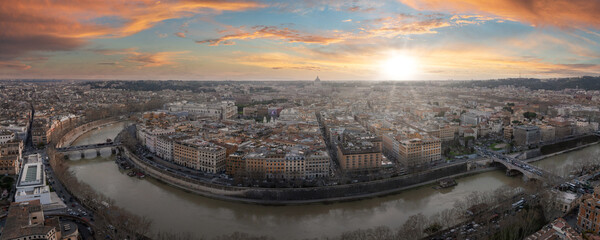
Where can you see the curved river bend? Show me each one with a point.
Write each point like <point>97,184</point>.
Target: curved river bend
<point>175,210</point>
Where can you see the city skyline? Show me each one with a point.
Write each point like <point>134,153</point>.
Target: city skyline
<point>271,40</point>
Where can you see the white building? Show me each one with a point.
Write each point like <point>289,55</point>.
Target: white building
<point>149,137</point>
<point>6,136</point>
<point>218,110</point>
<point>164,148</point>
<point>317,164</point>
<point>20,131</point>
<point>31,184</point>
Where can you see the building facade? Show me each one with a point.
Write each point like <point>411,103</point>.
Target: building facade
<point>359,155</point>
<point>527,135</point>
<point>412,152</point>
<point>200,155</point>
<point>11,157</point>
<point>318,165</point>
<point>217,110</point>
<point>588,217</point>
<point>26,220</point>
<point>6,136</point>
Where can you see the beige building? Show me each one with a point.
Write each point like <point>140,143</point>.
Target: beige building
<point>10,157</point>
<point>443,132</point>
<point>508,132</point>
<point>414,151</point>
<point>548,133</point>
<point>419,151</point>
<point>291,165</point>
<point>447,132</point>
<point>200,155</point>
<point>359,155</point>
<point>26,221</point>
<point>40,135</point>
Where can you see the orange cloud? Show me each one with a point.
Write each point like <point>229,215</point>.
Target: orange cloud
<point>453,61</point>
<point>390,27</point>
<point>14,65</point>
<point>153,59</point>
<point>403,25</point>
<point>143,59</point>
<point>180,34</point>
<point>270,32</point>
<point>559,13</point>
<point>38,25</point>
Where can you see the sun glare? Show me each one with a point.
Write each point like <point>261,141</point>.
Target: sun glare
<point>399,67</point>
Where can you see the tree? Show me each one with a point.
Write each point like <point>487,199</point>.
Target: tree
<point>413,227</point>
<point>530,115</point>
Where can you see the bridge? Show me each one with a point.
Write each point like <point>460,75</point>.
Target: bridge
<point>515,166</point>
<point>86,147</point>
<point>86,150</point>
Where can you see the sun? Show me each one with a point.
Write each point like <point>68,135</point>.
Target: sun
<point>399,66</point>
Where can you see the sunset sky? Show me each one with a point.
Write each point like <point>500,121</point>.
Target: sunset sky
<point>298,40</point>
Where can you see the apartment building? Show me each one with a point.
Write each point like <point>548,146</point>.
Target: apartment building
<point>359,154</point>
<point>164,147</point>
<point>413,150</point>
<point>200,155</point>
<point>26,220</point>
<point>588,217</point>
<point>527,135</point>
<point>10,157</point>
<point>6,136</point>
<point>217,110</point>
<point>317,164</point>
<point>279,164</point>
<point>419,151</point>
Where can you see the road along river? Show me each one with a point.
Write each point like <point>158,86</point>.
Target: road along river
<point>175,210</point>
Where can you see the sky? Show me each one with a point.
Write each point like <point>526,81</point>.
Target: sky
<point>298,40</point>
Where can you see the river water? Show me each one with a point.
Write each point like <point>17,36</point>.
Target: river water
<point>178,211</point>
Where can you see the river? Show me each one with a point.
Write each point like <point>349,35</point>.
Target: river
<point>175,210</point>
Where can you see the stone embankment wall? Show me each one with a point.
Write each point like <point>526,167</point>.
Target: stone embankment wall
<point>74,133</point>
<point>285,196</point>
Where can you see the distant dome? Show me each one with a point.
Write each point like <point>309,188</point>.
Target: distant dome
<point>317,79</point>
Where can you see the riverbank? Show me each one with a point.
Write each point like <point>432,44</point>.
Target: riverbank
<point>303,196</point>
<point>72,135</point>
<point>327,194</point>
<point>535,159</point>
<point>174,209</point>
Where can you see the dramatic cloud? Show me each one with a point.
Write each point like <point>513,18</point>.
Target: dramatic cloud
<point>37,25</point>
<point>142,59</point>
<point>559,13</point>
<point>452,61</point>
<point>403,25</point>
<point>270,32</point>
<point>306,6</point>
<point>161,35</point>
<point>14,65</point>
<point>389,27</point>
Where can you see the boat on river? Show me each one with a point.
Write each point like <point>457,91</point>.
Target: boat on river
<point>446,183</point>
